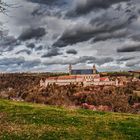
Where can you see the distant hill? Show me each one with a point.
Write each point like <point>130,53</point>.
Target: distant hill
<point>25,121</point>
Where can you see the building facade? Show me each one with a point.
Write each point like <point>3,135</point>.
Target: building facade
<point>86,77</point>
<point>82,71</point>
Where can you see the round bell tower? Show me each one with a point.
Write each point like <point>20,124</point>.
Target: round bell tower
<point>70,69</point>
<point>94,69</point>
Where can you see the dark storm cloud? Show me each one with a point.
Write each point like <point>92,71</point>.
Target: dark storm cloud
<point>1,31</point>
<point>75,35</point>
<point>84,59</point>
<point>31,63</point>
<point>31,33</point>
<point>18,62</point>
<point>48,2</point>
<point>108,22</point>
<point>135,37</point>
<point>6,48</point>
<point>125,58</point>
<point>31,45</point>
<point>12,61</point>
<point>8,43</point>
<point>39,48</point>
<point>81,60</point>
<point>131,48</point>
<point>43,1</point>
<point>108,25</point>
<point>69,39</point>
<point>38,12</point>
<point>132,63</point>
<point>101,61</point>
<point>46,7</point>
<point>86,6</point>
<point>24,51</point>
<point>71,51</point>
<point>111,35</point>
<point>8,40</point>
<point>132,18</point>
<point>100,28</point>
<point>52,52</point>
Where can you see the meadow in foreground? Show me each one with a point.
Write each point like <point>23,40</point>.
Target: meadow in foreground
<point>25,121</point>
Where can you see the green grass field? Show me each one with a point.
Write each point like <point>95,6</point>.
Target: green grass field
<point>25,121</point>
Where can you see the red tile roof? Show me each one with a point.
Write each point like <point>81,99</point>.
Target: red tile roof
<point>96,76</point>
<point>75,77</point>
<point>65,77</point>
<point>104,79</point>
<point>52,78</point>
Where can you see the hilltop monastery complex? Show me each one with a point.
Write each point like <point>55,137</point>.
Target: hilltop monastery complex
<point>86,77</point>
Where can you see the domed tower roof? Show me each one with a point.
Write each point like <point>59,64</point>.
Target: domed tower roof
<point>70,69</point>
<point>94,69</point>
<point>94,66</point>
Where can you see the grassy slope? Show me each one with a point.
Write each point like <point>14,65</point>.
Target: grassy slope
<point>30,121</point>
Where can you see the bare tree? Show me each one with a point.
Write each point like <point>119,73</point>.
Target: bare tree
<point>2,7</point>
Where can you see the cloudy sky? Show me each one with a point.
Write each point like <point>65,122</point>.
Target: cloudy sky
<point>47,35</point>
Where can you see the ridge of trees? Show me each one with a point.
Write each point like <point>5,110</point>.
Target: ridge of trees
<point>27,88</point>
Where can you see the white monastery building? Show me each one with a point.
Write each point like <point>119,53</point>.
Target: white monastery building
<point>86,77</point>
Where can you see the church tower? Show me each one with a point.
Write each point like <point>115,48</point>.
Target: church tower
<point>70,69</point>
<point>94,69</point>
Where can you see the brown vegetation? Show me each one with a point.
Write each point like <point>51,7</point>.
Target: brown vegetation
<point>26,87</point>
